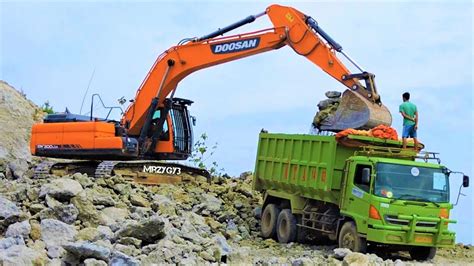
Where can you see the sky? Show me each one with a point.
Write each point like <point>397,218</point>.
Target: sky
<point>50,50</point>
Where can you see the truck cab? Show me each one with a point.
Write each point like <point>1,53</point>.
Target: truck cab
<point>407,204</point>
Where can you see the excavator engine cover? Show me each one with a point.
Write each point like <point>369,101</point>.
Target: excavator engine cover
<point>356,112</point>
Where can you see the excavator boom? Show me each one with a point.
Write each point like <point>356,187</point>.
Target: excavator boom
<point>360,108</point>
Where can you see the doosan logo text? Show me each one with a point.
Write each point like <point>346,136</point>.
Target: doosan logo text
<point>235,46</point>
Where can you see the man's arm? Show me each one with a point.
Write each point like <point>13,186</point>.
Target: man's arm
<point>408,117</point>
<point>416,120</point>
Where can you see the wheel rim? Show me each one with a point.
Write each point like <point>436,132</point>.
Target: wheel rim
<point>348,241</point>
<point>267,219</point>
<point>283,227</point>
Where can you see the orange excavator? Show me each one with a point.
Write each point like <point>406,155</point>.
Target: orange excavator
<point>157,125</point>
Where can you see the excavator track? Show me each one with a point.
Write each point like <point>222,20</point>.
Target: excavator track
<point>143,172</point>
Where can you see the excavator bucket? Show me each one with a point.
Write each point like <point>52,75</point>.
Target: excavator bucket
<point>355,111</point>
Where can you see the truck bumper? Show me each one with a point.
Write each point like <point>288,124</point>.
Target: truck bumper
<point>412,235</point>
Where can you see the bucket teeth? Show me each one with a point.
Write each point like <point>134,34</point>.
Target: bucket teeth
<point>356,112</point>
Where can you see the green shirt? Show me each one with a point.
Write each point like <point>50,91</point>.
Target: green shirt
<point>409,109</point>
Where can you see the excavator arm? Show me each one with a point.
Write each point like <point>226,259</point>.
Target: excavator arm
<point>360,106</point>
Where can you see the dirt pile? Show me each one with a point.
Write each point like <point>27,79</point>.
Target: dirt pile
<point>17,115</point>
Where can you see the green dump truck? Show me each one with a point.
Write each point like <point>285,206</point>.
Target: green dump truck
<point>358,191</point>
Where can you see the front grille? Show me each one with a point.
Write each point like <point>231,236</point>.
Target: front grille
<point>392,219</point>
<point>426,224</point>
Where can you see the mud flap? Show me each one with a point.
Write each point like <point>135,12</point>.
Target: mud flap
<point>356,112</point>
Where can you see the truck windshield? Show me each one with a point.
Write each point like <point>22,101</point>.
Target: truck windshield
<point>411,183</point>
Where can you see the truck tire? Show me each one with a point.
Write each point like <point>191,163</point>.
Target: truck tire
<point>286,227</point>
<point>269,221</point>
<point>422,253</point>
<point>349,238</point>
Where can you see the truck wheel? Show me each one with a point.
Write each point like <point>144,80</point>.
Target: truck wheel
<point>269,221</point>
<point>422,253</point>
<point>286,226</point>
<point>348,238</point>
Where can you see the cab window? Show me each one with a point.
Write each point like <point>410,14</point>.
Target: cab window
<point>165,133</point>
<point>358,178</point>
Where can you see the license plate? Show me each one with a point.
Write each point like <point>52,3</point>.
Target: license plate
<point>423,239</point>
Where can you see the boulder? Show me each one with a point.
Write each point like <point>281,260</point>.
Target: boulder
<point>6,243</point>
<point>66,213</point>
<point>87,212</point>
<point>84,250</point>
<point>164,205</point>
<point>137,200</point>
<point>355,259</point>
<point>21,255</point>
<point>83,179</point>
<point>340,253</point>
<point>112,215</point>
<point>208,202</point>
<point>22,229</point>
<point>94,262</point>
<point>9,212</point>
<point>120,259</point>
<point>100,197</point>
<point>18,167</point>
<point>325,104</point>
<point>61,189</point>
<point>148,230</point>
<point>130,241</point>
<point>88,234</point>
<point>333,94</point>
<point>105,232</point>
<point>55,233</point>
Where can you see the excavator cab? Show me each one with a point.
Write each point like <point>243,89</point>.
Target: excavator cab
<point>170,134</point>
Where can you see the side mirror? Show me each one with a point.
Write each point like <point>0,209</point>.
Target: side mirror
<point>465,181</point>
<point>193,119</point>
<point>366,175</point>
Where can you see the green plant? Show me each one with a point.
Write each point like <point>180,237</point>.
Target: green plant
<point>202,153</point>
<point>47,108</point>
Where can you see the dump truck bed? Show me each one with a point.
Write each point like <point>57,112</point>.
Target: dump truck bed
<point>306,165</point>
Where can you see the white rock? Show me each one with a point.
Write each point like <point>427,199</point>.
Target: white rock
<point>22,229</point>
<point>8,209</point>
<point>356,259</point>
<point>61,189</point>
<point>94,262</point>
<point>105,232</point>
<point>88,250</point>
<point>121,259</point>
<point>56,233</point>
<point>112,215</point>
<point>340,253</point>
<point>6,243</point>
<point>21,255</point>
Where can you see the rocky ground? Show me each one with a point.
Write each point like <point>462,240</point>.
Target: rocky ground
<point>81,220</point>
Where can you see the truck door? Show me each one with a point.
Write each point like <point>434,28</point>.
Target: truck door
<point>357,195</point>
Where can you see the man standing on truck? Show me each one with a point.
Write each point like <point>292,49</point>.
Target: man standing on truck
<point>410,120</point>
